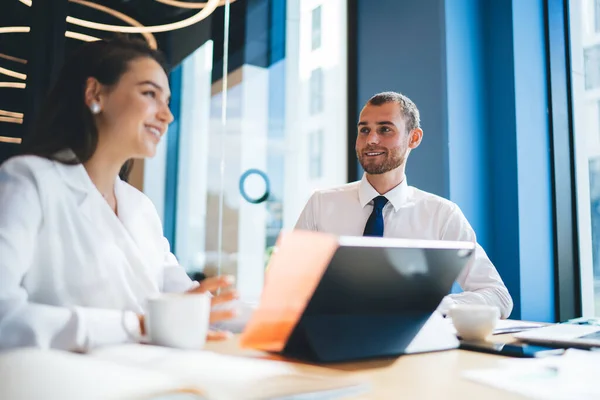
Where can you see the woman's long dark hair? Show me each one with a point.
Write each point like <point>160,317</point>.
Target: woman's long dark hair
<point>65,122</point>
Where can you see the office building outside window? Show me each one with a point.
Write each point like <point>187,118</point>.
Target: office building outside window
<point>592,67</point>
<point>316,91</point>
<point>316,28</point>
<point>315,151</point>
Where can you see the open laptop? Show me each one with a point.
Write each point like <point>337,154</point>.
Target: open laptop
<point>377,297</point>
<point>563,335</point>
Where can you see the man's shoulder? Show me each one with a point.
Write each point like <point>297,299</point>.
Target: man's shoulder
<point>433,200</point>
<point>338,191</point>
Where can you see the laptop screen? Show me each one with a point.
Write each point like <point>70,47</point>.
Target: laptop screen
<point>382,276</point>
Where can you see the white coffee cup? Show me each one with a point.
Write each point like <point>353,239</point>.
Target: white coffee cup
<point>177,320</point>
<point>474,321</point>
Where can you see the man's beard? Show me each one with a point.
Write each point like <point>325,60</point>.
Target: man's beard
<point>393,159</point>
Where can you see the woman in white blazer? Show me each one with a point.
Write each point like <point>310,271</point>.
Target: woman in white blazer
<point>80,249</point>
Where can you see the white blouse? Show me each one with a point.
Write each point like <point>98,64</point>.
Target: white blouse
<point>411,214</point>
<point>72,273</point>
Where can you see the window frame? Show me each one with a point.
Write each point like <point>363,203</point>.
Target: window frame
<point>564,191</point>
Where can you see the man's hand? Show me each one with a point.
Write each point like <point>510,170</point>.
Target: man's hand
<point>220,288</point>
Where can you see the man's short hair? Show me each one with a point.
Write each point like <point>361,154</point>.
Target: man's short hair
<point>407,107</point>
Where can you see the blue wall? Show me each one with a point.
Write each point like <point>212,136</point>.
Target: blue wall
<point>476,70</point>
<point>467,114</point>
<point>400,47</point>
<point>502,149</point>
<point>533,158</point>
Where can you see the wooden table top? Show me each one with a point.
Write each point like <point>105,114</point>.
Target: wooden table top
<point>420,376</point>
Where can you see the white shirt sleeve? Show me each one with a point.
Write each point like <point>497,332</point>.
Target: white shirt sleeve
<point>175,279</point>
<point>24,323</point>
<point>307,220</point>
<point>480,280</point>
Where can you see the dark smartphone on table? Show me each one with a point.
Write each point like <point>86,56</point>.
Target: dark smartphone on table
<point>511,350</point>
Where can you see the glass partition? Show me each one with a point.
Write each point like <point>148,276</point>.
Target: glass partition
<point>248,148</point>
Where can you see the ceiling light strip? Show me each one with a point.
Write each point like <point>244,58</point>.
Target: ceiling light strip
<point>81,36</point>
<point>7,139</point>
<point>11,58</point>
<point>12,73</point>
<point>16,85</point>
<point>15,29</point>
<point>11,120</point>
<point>11,114</point>
<point>123,17</point>
<point>211,5</point>
<point>26,2</point>
<point>183,4</point>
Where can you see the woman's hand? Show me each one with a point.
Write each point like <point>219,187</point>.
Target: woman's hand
<point>221,288</point>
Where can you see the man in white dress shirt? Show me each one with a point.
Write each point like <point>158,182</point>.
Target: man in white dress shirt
<point>382,203</point>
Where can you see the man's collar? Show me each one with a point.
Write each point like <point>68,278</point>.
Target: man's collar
<point>397,196</point>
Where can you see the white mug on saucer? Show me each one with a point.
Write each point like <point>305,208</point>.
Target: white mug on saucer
<point>176,320</point>
<point>474,321</point>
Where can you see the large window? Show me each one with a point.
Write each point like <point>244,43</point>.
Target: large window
<point>250,147</point>
<point>585,60</point>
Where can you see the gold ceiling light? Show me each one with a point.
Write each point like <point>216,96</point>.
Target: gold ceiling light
<point>15,29</point>
<point>11,114</point>
<point>87,38</point>
<point>12,73</point>
<point>206,9</point>
<point>184,4</point>
<point>81,36</point>
<point>11,58</point>
<point>11,120</point>
<point>211,5</point>
<point>16,85</point>
<point>123,17</point>
<point>7,139</point>
<point>11,117</point>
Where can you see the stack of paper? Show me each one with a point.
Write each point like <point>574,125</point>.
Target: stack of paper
<point>571,376</point>
<point>229,377</point>
<point>32,374</point>
<point>147,372</point>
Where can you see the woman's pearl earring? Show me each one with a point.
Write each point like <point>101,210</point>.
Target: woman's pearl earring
<point>95,108</point>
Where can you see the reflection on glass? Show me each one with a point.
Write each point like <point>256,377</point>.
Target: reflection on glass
<point>286,104</point>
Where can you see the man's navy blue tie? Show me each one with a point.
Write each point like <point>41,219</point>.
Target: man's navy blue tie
<point>374,226</point>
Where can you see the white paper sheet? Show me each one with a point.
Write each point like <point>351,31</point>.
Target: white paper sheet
<point>507,326</point>
<point>571,376</point>
<point>230,377</point>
